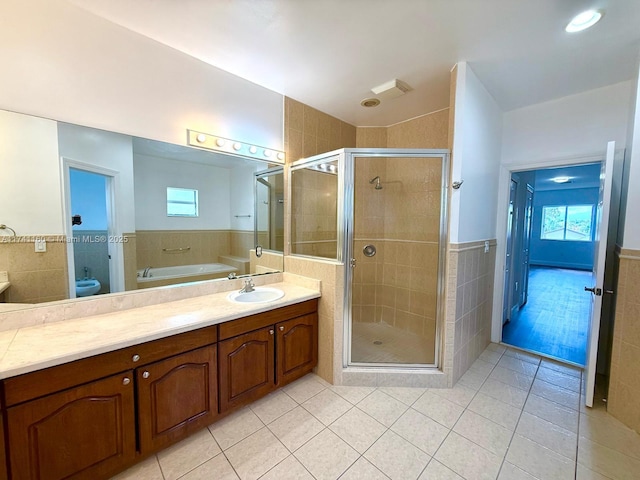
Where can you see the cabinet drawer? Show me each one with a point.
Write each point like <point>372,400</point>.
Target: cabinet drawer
<point>43,382</point>
<point>86,432</point>
<point>262,320</point>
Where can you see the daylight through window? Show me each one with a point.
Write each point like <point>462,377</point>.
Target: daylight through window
<point>182,202</point>
<point>567,222</point>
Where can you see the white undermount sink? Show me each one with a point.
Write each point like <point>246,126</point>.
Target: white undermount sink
<point>258,295</point>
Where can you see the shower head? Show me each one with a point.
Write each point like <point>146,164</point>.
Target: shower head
<point>377,180</point>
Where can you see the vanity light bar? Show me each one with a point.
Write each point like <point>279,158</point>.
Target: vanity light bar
<point>221,144</point>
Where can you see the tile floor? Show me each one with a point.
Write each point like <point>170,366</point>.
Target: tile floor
<point>512,416</point>
<point>379,342</point>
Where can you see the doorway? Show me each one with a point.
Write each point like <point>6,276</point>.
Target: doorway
<point>89,226</point>
<point>550,245</point>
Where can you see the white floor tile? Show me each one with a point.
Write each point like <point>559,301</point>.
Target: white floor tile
<point>439,409</point>
<point>146,470</point>
<point>218,468</point>
<point>606,461</point>
<point>237,426</point>
<point>327,406</point>
<point>505,393</point>
<point>188,454</point>
<point>295,428</point>
<point>518,365</point>
<point>397,458</point>
<point>326,456</point>
<point>363,470</point>
<point>437,471</point>
<point>511,472</point>
<point>482,367</point>
<point>560,379</point>
<point>496,347</point>
<point>490,357</point>
<point>583,473</point>
<point>304,388</point>
<point>459,394</point>
<point>256,454</point>
<point>512,378</point>
<point>406,395</point>
<point>468,459</point>
<point>539,461</point>
<point>561,367</point>
<point>420,430</point>
<point>548,435</point>
<point>288,469</point>
<point>358,429</point>
<point>484,432</point>
<point>382,407</point>
<point>495,410</point>
<point>552,412</point>
<point>609,432</point>
<point>522,355</point>
<point>352,395</point>
<point>556,394</point>
<point>273,406</point>
<point>473,379</point>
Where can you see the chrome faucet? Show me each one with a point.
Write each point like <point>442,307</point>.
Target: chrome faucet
<point>231,276</point>
<point>249,286</point>
<point>146,272</point>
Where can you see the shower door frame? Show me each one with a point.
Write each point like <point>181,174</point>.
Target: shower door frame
<point>346,190</point>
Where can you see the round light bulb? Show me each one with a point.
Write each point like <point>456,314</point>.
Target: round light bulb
<point>252,149</point>
<point>201,137</point>
<point>280,156</point>
<point>583,20</point>
<point>220,142</point>
<point>237,146</point>
<point>267,153</point>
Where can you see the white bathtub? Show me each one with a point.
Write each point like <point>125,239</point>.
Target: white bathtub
<point>185,273</point>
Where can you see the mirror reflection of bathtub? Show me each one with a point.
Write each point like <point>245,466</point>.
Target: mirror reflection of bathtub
<point>161,276</point>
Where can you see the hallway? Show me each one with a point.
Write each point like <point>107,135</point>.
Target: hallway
<point>555,319</point>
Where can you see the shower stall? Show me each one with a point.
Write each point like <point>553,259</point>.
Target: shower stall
<point>381,212</point>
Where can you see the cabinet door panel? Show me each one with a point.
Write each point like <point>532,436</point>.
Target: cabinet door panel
<point>86,432</point>
<point>246,368</point>
<point>297,347</point>
<point>176,396</point>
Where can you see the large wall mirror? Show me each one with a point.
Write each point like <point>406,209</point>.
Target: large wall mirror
<point>97,212</point>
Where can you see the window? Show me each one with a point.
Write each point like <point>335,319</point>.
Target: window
<point>182,202</point>
<point>567,222</point>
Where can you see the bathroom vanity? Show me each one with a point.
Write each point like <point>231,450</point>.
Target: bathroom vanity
<point>95,415</point>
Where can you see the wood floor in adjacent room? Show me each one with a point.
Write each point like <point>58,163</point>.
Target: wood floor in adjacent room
<point>555,319</point>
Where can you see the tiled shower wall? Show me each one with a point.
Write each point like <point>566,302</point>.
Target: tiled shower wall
<point>469,305</point>
<point>624,380</point>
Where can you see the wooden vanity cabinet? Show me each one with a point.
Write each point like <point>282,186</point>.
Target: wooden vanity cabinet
<point>259,353</point>
<point>85,432</point>
<point>176,397</point>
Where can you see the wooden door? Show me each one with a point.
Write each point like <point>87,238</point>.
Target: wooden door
<point>246,367</point>
<point>87,432</point>
<point>296,347</point>
<point>176,397</point>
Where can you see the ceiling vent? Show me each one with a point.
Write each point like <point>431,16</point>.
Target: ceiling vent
<point>391,89</point>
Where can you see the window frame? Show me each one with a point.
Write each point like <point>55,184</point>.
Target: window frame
<point>566,222</point>
<point>194,203</point>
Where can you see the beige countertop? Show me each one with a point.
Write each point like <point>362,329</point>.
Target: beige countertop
<point>33,348</point>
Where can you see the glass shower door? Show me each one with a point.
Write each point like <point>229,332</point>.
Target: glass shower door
<point>396,249</point>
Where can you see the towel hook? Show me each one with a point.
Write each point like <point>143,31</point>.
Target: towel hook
<point>457,185</point>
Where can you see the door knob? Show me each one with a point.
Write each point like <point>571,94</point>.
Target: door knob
<point>596,291</point>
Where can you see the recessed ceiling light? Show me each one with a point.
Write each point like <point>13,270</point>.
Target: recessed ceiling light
<point>370,102</point>
<point>584,20</point>
<point>561,179</point>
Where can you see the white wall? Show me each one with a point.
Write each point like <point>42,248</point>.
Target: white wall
<point>30,191</point>
<point>108,150</point>
<point>476,159</point>
<point>152,176</point>
<point>63,63</point>
<point>571,126</point>
<point>630,233</point>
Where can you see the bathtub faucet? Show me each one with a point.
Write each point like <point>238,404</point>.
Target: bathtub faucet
<point>248,286</point>
<point>146,273</point>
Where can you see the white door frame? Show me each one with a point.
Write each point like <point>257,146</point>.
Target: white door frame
<point>116,254</point>
<point>504,182</point>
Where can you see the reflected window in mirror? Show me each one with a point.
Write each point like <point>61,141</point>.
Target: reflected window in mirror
<point>182,202</point>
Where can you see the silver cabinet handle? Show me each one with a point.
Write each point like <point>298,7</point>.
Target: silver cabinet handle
<point>136,358</point>
<point>271,332</point>
<point>145,374</point>
<point>281,328</point>
<point>126,381</point>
